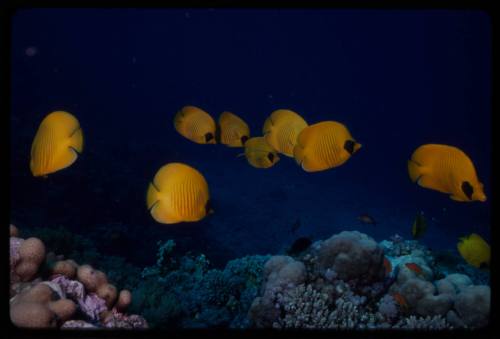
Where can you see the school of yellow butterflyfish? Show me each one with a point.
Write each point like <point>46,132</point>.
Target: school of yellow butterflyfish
<point>180,193</point>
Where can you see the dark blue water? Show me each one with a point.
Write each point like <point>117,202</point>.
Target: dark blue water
<point>397,79</point>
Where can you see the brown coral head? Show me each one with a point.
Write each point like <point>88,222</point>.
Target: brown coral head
<point>109,293</point>
<point>102,279</point>
<point>14,232</point>
<point>26,270</point>
<point>63,308</point>
<point>64,268</point>
<point>32,249</point>
<point>106,316</point>
<point>32,314</point>
<point>40,293</point>
<point>124,300</point>
<point>86,274</point>
<point>73,263</point>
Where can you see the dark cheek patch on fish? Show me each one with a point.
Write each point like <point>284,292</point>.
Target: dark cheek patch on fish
<point>270,156</point>
<point>208,208</point>
<point>209,136</point>
<point>467,189</point>
<point>349,146</point>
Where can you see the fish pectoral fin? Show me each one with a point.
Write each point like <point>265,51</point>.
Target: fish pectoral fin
<point>414,170</point>
<point>240,155</point>
<point>154,185</point>
<point>76,140</point>
<point>74,150</point>
<point>429,181</point>
<point>153,205</point>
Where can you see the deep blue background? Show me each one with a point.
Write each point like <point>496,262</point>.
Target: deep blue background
<point>397,79</point>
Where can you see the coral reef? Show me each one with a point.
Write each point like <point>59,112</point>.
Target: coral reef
<point>184,291</point>
<point>454,297</point>
<point>341,283</point>
<point>348,281</point>
<point>62,293</point>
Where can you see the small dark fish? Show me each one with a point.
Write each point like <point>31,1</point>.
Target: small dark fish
<point>299,246</point>
<point>367,219</point>
<point>296,225</point>
<point>419,226</point>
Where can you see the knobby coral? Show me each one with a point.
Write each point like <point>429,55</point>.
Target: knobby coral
<point>51,294</point>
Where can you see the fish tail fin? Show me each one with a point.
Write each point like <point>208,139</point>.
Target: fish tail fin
<point>415,170</point>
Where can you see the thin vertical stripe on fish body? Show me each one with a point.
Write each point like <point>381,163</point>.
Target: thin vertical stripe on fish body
<point>446,169</point>
<point>281,130</point>
<point>196,125</point>
<point>178,193</point>
<point>324,145</point>
<point>57,143</point>
<point>234,132</point>
<point>259,153</point>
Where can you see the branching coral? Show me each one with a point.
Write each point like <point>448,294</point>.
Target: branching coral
<point>412,322</point>
<point>190,294</point>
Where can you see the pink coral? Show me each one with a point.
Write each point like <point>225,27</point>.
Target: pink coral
<point>121,320</point>
<point>71,324</point>
<point>14,258</point>
<point>92,306</point>
<point>73,289</point>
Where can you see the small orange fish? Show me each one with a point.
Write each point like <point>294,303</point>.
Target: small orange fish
<point>400,300</point>
<point>388,266</point>
<point>414,267</point>
<point>366,219</point>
